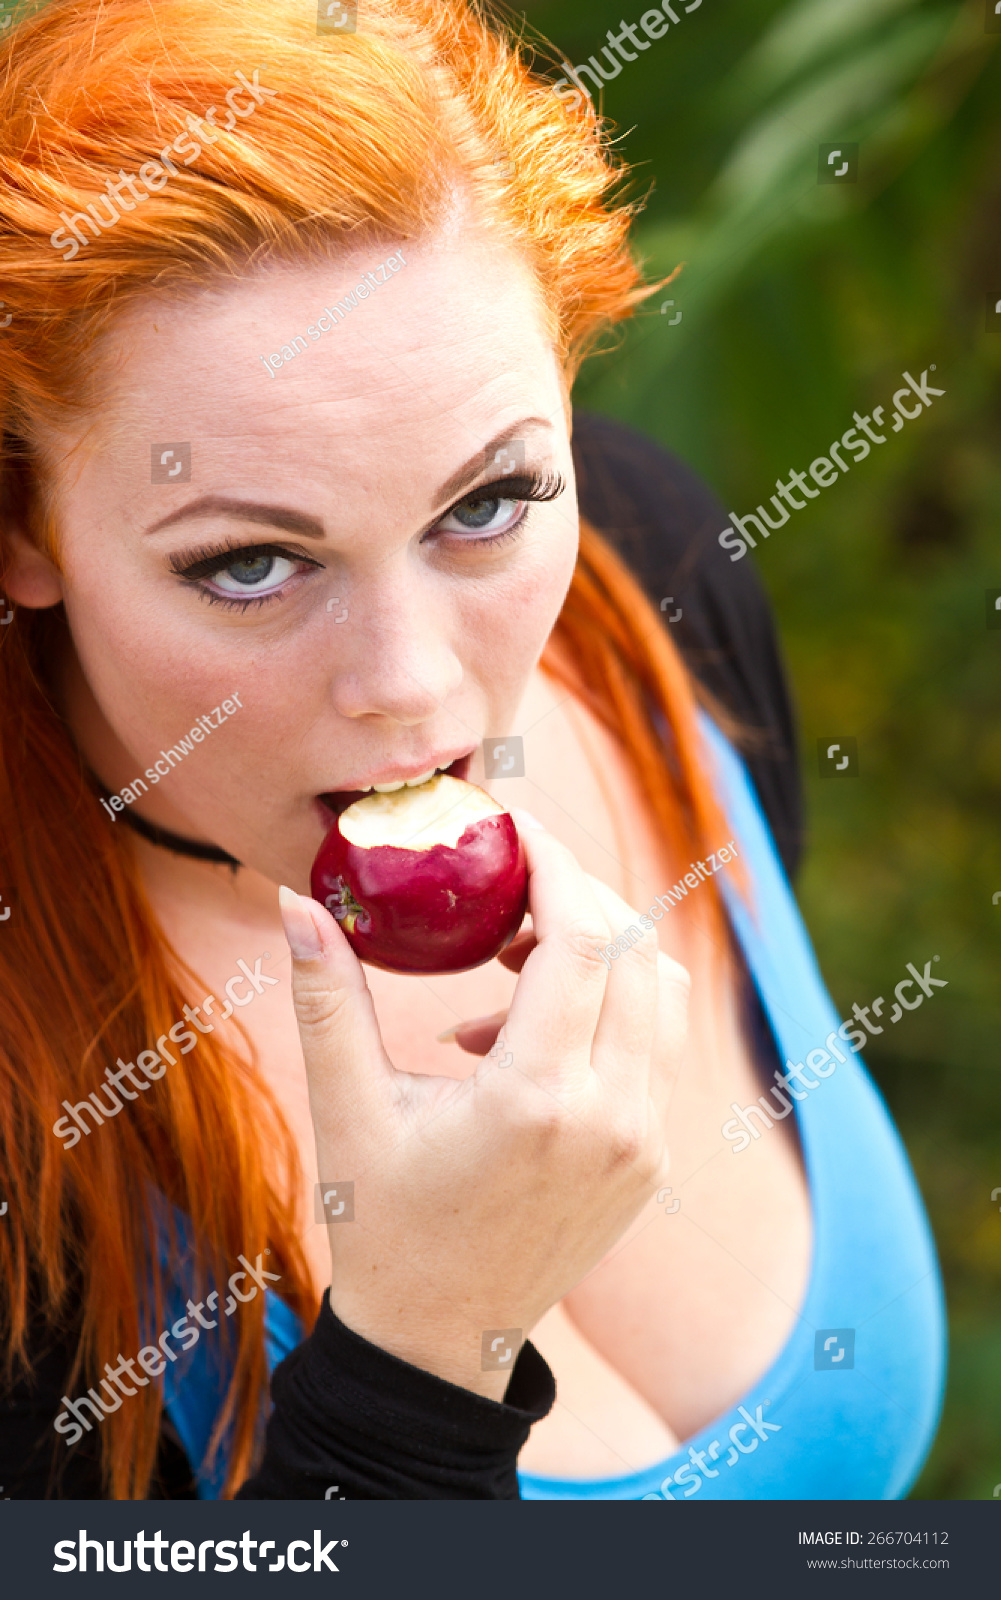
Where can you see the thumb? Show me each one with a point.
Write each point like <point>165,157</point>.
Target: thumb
<point>346,1061</point>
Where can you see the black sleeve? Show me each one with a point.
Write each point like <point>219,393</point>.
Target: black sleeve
<point>665,523</point>
<point>348,1414</point>
<point>345,1413</point>
<point>35,1461</point>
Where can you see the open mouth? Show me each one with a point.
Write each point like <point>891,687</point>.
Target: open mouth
<point>338,800</point>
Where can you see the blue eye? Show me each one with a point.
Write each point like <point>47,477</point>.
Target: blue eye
<point>497,508</point>
<point>254,573</point>
<point>483,514</point>
<point>242,575</point>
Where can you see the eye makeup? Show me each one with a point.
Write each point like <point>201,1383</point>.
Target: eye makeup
<point>518,492</point>
<point>210,561</point>
<point>196,567</point>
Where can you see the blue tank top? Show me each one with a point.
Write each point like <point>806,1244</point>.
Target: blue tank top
<point>848,1408</point>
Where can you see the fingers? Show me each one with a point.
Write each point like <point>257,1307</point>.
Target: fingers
<point>557,1003</point>
<point>624,1037</point>
<point>477,1035</point>
<point>514,955</point>
<point>644,1018</point>
<point>346,1062</point>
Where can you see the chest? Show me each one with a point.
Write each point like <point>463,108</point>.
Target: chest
<point>646,1348</point>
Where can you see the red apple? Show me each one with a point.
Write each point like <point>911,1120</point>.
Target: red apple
<point>427,879</point>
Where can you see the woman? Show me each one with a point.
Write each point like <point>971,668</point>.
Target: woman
<point>288,512</point>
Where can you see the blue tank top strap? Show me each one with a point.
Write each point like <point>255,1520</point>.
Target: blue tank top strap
<point>195,1381</point>
<point>849,1406</point>
<point>809,1428</point>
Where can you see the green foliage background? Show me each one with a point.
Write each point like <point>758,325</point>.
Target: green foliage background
<point>803,303</point>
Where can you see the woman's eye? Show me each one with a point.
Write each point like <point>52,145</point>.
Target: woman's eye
<point>254,574</point>
<point>482,514</point>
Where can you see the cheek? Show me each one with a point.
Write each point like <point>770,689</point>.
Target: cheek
<point>505,628</point>
<point>135,663</point>
<point>150,672</point>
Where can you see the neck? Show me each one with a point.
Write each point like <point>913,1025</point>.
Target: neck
<point>194,849</point>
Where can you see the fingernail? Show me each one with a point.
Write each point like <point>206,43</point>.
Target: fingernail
<point>450,1034</point>
<point>300,930</point>
<point>524,818</point>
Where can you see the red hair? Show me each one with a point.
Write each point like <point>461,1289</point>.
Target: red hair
<point>367,134</point>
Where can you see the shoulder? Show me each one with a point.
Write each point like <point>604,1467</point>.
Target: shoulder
<point>665,522</point>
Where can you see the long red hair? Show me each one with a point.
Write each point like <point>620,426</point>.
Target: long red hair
<point>368,134</point>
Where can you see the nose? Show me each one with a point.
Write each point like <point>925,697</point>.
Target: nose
<point>398,659</point>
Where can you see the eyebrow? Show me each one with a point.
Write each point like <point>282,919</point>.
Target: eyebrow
<point>220,505</point>
<point>475,467</point>
<point>306,527</point>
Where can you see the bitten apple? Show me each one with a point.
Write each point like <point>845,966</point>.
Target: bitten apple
<point>428,879</point>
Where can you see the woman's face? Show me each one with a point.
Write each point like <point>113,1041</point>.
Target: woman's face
<point>355,554</point>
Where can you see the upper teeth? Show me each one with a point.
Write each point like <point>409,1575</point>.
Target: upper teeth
<point>401,783</point>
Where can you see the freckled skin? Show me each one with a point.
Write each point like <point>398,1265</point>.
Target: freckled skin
<point>433,637</point>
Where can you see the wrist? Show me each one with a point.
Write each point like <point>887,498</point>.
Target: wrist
<point>450,1351</point>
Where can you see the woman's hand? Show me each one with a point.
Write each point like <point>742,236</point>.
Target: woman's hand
<point>480,1203</point>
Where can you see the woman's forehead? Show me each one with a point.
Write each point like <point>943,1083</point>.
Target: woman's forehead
<point>445,352</point>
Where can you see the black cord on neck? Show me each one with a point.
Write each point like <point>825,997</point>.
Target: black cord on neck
<point>153,834</point>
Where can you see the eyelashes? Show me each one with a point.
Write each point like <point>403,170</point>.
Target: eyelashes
<point>517,490</point>
<point>533,486</point>
<point>210,559</point>
<point>196,566</point>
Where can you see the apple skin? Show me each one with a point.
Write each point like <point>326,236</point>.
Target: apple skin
<point>436,910</point>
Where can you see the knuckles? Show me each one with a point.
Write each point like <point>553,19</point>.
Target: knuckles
<point>317,1008</point>
<point>583,941</point>
<point>627,1142</point>
<point>564,1124</point>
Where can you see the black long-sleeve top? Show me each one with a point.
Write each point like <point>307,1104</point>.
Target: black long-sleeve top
<point>345,1412</point>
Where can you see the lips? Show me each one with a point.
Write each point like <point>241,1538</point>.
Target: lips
<point>337,801</point>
